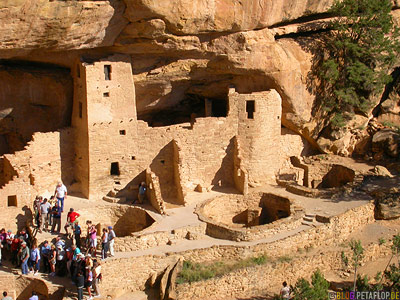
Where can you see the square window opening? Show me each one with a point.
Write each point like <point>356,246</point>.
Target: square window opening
<point>133,157</point>
<point>122,132</point>
<point>250,109</point>
<point>106,94</point>
<point>114,170</point>
<point>12,200</point>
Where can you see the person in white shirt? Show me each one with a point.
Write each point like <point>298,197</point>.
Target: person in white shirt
<point>111,240</point>
<point>285,291</point>
<point>61,194</point>
<point>44,217</point>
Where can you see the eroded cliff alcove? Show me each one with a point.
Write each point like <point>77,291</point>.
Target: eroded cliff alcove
<point>33,98</point>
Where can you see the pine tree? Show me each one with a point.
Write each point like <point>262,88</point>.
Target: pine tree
<point>359,52</point>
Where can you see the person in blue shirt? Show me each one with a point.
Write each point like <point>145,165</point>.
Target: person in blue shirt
<point>45,251</point>
<point>142,192</point>
<point>77,234</point>
<point>56,212</point>
<point>34,259</point>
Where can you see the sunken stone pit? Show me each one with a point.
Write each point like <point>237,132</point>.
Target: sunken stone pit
<point>126,220</point>
<point>254,216</point>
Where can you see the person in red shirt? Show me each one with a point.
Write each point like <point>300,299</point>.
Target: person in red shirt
<point>14,250</point>
<point>72,217</point>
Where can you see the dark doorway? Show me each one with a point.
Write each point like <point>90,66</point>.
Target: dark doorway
<point>219,107</point>
<point>114,169</point>
<point>250,109</point>
<point>107,72</point>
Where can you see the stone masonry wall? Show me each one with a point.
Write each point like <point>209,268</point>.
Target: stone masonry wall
<point>205,155</point>
<point>206,147</point>
<point>223,225</point>
<point>267,279</point>
<point>331,233</point>
<point>129,274</point>
<point>259,133</point>
<point>33,171</point>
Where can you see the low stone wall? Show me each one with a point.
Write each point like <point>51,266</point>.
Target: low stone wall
<point>333,233</point>
<point>218,213</point>
<point>267,279</point>
<point>126,220</point>
<point>131,274</point>
<point>121,276</point>
<point>155,239</point>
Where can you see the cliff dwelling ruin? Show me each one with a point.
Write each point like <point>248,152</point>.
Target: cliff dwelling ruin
<point>213,107</point>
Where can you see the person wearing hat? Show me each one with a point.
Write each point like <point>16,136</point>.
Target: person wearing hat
<point>111,240</point>
<point>61,267</point>
<point>24,258</point>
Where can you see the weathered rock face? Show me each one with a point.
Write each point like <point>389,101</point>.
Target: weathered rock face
<point>32,100</point>
<point>193,17</point>
<point>57,25</point>
<point>183,51</point>
<point>386,141</point>
<point>387,204</point>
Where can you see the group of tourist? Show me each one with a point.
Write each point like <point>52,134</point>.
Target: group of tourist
<point>49,211</point>
<point>78,261</point>
<point>13,244</point>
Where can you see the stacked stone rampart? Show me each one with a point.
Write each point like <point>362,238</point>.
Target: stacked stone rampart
<point>134,272</point>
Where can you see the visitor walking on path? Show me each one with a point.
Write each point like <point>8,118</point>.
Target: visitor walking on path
<point>61,194</point>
